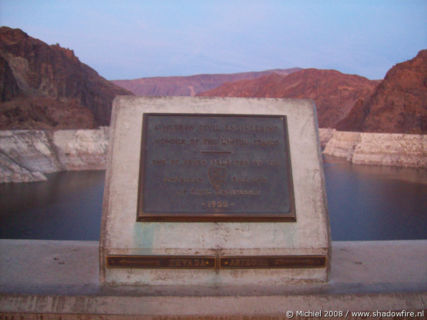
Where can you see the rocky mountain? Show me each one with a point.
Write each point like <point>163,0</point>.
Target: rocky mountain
<point>46,86</point>
<point>399,103</point>
<point>189,85</point>
<point>334,92</point>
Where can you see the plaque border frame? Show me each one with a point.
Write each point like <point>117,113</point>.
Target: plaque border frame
<point>214,216</point>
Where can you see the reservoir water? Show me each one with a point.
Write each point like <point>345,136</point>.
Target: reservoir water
<point>365,203</point>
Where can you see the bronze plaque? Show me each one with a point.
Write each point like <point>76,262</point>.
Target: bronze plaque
<point>209,167</point>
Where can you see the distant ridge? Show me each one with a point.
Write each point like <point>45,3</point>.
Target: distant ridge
<point>47,87</point>
<point>334,92</point>
<point>190,85</point>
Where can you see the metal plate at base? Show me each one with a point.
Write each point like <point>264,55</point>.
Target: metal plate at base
<point>161,262</point>
<point>272,262</point>
<point>212,262</point>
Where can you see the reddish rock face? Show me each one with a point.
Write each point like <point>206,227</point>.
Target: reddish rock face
<point>333,92</point>
<point>190,85</point>
<point>31,70</point>
<point>399,103</point>
<point>8,86</point>
<point>44,113</point>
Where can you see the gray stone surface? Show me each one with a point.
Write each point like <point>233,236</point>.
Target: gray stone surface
<point>11,171</point>
<point>38,276</point>
<point>82,149</point>
<point>120,234</point>
<point>26,155</point>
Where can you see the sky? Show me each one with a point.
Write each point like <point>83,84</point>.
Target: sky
<point>134,39</point>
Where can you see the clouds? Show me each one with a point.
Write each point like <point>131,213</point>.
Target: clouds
<point>130,39</point>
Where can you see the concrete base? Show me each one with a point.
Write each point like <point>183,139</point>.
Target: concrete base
<point>122,235</point>
<point>61,278</point>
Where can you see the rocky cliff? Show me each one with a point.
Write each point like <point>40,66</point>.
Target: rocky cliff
<point>325,134</point>
<point>398,104</point>
<point>46,86</point>
<point>27,155</point>
<point>384,149</point>
<point>189,85</point>
<point>334,93</point>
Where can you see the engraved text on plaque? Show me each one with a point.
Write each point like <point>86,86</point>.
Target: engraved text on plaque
<point>209,167</point>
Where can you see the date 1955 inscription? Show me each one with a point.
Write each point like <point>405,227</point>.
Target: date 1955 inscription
<point>208,167</point>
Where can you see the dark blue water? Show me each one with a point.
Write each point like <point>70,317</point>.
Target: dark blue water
<point>66,207</point>
<point>376,203</point>
<point>365,203</point>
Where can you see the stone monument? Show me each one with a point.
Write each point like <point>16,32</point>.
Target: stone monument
<point>215,192</point>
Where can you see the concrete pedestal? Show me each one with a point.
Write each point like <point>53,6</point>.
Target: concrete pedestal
<point>121,234</point>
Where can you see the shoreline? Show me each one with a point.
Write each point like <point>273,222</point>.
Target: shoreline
<point>379,149</point>
<point>28,155</point>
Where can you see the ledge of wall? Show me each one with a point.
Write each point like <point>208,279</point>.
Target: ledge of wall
<point>61,277</point>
